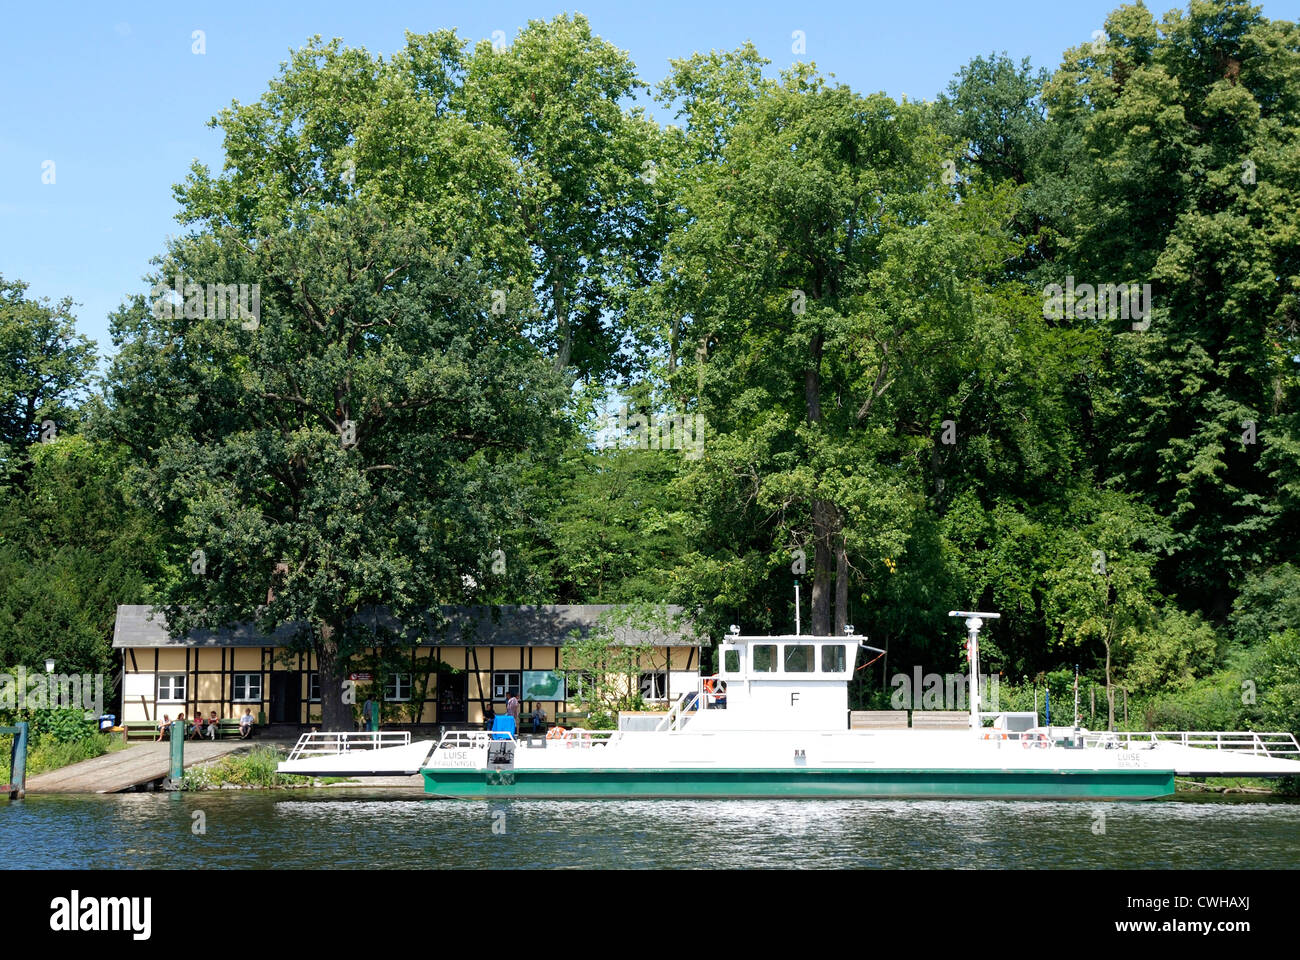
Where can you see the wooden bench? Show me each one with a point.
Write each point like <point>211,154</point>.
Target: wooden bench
<point>940,720</point>
<point>570,719</point>
<point>228,729</point>
<point>877,719</point>
<point>140,730</point>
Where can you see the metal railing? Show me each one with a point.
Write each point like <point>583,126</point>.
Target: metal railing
<point>574,737</point>
<point>1271,744</point>
<point>332,744</point>
<point>693,701</point>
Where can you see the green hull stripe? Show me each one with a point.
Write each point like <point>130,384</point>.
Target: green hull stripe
<point>795,782</point>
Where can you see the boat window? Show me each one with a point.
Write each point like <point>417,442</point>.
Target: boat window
<point>833,658</point>
<point>799,658</point>
<point>765,658</point>
<point>731,661</point>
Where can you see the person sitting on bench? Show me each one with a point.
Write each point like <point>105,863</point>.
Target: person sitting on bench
<point>246,723</point>
<point>196,729</point>
<point>213,725</point>
<point>164,727</point>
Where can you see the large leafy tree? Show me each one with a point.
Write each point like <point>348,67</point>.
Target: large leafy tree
<point>45,370</point>
<point>526,156</point>
<point>73,545</point>
<point>1184,178</point>
<point>354,447</point>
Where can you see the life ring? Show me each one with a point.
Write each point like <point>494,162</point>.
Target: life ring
<point>555,733</point>
<point>1035,740</point>
<point>995,735</point>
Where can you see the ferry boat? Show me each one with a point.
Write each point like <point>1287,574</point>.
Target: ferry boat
<point>775,722</point>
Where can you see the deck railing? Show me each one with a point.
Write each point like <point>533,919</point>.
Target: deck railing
<point>575,737</point>
<point>332,744</point>
<point>693,701</point>
<point>1271,744</point>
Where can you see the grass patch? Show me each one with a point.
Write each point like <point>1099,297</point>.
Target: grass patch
<point>46,753</point>
<point>255,768</point>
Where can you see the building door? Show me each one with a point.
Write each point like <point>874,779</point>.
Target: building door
<point>286,696</point>
<point>453,697</point>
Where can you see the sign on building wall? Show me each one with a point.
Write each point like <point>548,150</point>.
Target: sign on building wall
<point>543,685</point>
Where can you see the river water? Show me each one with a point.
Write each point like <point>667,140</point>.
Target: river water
<point>388,829</point>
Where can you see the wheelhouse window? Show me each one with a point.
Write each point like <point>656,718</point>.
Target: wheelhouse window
<point>799,658</point>
<point>171,688</point>
<point>731,661</point>
<point>654,685</point>
<point>248,688</point>
<point>397,687</point>
<point>505,684</point>
<point>833,659</point>
<point>764,658</point>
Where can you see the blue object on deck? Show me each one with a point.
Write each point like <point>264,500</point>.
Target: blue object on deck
<point>503,724</point>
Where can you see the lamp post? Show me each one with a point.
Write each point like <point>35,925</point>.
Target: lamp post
<point>49,664</point>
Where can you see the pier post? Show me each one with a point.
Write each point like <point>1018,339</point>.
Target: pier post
<point>177,755</point>
<point>17,760</point>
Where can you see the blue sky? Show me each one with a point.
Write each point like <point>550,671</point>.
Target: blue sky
<point>115,97</point>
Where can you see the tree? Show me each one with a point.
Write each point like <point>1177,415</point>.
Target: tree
<point>338,466</point>
<point>73,545</point>
<point>1186,133</point>
<point>45,369</point>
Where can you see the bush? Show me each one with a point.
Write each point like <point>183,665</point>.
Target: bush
<point>256,768</point>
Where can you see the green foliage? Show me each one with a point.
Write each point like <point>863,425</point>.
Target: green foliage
<point>63,725</point>
<point>613,655</point>
<point>254,768</point>
<point>45,369</point>
<point>46,752</point>
<point>73,546</point>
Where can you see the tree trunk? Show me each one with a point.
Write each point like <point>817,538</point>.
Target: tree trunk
<point>823,534</point>
<point>823,512</point>
<point>563,328</point>
<point>335,714</point>
<point>841,585</point>
<point>1110,694</point>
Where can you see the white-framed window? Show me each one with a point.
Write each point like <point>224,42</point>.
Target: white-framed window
<point>578,685</point>
<point>247,688</point>
<point>171,688</point>
<point>397,687</point>
<point>800,657</point>
<point>505,684</point>
<point>833,658</point>
<point>654,685</point>
<point>313,687</point>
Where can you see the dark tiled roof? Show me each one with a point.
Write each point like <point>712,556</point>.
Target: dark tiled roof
<point>507,626</point>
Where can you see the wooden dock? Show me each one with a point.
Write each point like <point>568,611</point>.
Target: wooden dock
<point>124,769</point>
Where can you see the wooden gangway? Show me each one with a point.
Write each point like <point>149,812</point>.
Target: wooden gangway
<point>124,769</point>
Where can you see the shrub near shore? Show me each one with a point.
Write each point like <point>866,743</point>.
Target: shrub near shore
<point>255,769</point>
